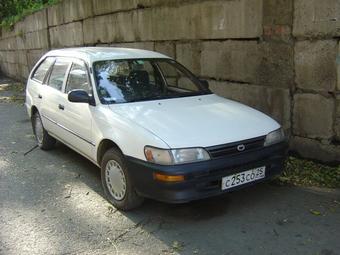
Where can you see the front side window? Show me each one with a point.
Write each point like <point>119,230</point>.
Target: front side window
<point>42,70</point>
<point>176,78</point>
<point>58,73</point>
<point>77,78</point>
<point>131,80</point>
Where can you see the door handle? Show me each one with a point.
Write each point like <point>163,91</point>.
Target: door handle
<point>61,107</point>
<point>39,96</point>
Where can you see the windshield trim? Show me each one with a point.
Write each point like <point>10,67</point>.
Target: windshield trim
<point>191,76</point>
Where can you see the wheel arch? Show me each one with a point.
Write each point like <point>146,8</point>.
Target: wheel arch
<point>34,110</point>
<point>103,146</point>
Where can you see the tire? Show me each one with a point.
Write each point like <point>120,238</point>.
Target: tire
<point>44,140</point>
<point>119,189</point>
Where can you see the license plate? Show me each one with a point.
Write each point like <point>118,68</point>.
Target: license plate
<point>243,177</point>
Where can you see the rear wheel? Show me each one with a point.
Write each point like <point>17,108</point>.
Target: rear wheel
<point>44,140</point>
<point>117,184</point>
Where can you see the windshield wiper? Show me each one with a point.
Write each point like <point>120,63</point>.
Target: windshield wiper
<point>169,96</point>
<point>149,98</point>
<point>189,94</point>
<point>109,101</point>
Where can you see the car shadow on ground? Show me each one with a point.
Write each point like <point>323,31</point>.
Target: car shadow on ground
<point>204,209</point>
<point>169,222</point>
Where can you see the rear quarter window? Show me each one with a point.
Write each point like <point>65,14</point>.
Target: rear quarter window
<point>40,73</point>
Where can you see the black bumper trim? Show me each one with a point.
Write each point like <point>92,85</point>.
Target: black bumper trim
<point>203,179</point>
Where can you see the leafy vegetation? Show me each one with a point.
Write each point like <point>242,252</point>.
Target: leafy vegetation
<point>12,92</point>
<point>11,11</point>
<point>308,173</point>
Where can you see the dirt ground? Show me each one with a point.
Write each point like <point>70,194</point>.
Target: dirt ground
<point>52,203</point>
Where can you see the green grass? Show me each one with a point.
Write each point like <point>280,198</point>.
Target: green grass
<point>301,172</point>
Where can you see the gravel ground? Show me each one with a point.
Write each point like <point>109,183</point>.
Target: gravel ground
<point>52,203</point>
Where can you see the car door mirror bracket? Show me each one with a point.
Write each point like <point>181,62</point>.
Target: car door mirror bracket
<point>205,84</point>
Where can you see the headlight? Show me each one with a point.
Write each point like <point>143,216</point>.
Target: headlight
<point>274,137</point>
<point>178,156</point>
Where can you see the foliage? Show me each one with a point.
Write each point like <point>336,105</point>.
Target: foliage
<point>12,92</point>
<point>11,11</point>
<point>308,173</point>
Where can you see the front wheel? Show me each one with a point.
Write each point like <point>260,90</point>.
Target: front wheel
<point>117,185</point>
<point>44,140</point>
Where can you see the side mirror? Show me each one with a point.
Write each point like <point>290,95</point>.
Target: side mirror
<point>78,96</point>
<point>205,84</point>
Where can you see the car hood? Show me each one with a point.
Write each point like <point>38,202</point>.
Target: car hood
<point>198,120</point>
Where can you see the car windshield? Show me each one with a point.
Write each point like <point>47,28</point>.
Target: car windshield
<point>132,80</point>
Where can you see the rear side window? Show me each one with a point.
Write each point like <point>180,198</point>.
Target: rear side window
<point>42,70</point>
<point>58,73</point>
<point>77,78</point>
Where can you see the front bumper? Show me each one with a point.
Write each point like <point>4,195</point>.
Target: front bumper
<point>203,179</point>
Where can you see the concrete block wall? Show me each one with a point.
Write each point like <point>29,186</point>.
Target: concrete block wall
<point>19,47</point>
<point>316,115</point>
<point>279,56</point>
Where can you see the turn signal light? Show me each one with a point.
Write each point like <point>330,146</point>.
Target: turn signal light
<point>168,178</point>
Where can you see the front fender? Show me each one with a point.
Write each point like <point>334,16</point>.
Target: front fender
<point>130,137</point>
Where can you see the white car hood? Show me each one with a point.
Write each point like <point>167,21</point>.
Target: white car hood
<point>197,121</point>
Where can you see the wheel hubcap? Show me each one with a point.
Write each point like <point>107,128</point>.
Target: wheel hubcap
<point>39,130</point>
<point>115,179</point>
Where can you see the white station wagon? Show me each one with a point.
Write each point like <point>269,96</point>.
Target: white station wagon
<point>153,128</point>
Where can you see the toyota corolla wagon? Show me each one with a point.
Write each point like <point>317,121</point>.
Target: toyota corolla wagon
<point>155,130</point>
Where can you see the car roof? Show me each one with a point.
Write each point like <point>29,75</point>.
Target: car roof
<point>93,54</point>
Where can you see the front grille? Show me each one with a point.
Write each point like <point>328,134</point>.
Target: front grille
<point>232,148</point>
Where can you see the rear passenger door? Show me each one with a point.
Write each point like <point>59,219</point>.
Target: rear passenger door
<point>53,97</point>
<point>76,118</point>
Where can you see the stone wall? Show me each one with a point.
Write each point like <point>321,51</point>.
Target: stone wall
<point>279,56</point>
<point>316,100</point>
